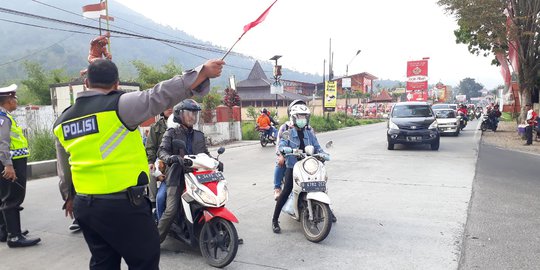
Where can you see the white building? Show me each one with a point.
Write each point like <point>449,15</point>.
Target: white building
<point>63,95</point>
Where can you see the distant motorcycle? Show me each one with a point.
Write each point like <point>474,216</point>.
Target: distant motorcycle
<point>264,138</point>
<point>488,123</point>
<point>462,120</point>
<point>477,114</point>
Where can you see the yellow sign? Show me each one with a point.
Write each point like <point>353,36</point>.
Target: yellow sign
<point>330,96</point>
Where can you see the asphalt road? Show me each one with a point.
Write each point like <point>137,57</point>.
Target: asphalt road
<point>401,209</point>
<point>504,217</point>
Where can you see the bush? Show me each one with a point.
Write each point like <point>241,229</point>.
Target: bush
<point>248,131</point>
<point>42,145</point>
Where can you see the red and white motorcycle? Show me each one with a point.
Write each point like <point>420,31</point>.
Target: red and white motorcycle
<point>204,221</point>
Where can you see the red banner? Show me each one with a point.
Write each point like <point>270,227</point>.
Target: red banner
<point>417,75</point>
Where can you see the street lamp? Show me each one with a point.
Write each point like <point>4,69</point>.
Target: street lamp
<point>347,68</point>
<point>348,91</point>
<point>276,85</point>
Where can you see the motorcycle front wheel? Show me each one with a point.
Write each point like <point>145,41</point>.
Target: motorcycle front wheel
<point>483,126</point>
<point>263,140</point>
<point>218,242</point>
<point>317,229</point>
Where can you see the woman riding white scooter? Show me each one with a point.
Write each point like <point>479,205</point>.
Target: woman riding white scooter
<point>300,136</point>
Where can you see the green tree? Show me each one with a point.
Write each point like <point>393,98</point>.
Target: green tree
<point>483,26</point>
<point>149,76</point>
<point>470,88</point>
<point>38,81</point>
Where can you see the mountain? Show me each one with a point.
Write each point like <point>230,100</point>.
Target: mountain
<point>55,49</point>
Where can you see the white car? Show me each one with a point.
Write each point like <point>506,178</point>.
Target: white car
<point>448,121</point>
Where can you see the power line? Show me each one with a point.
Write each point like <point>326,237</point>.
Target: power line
<point>35,52</point>
<point>164,41</point>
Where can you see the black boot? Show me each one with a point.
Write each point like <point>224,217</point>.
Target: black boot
<point>3,236</point>
<point>21,241</point>
<point>275,226</point>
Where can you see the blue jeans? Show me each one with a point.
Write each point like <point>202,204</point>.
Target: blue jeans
<point>161,199</point>
<point>279,173</point>
<point>271,132</point>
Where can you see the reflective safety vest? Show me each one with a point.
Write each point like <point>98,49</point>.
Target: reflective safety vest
<point>18,147</point>
<point>105,156</point>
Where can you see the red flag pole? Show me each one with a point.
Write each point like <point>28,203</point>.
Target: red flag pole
<point>250,25</point>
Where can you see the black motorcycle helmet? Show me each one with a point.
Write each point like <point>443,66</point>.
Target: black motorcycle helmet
<point>264,110</point>
<point>185,105</point>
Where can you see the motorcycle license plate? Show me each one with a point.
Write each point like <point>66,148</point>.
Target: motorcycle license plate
<point>210,177</point>
<point>414,138</point>
<point>313,186</point>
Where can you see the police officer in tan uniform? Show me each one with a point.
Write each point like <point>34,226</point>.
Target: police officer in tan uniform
<point>13,158</point>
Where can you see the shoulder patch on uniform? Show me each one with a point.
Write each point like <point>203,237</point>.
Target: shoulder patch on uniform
<point>1,122</point>
<point>80,127</point>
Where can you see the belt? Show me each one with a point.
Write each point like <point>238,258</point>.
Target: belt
<point>111,196</point>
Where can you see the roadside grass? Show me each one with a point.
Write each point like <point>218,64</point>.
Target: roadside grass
<point>41,144</point>
<point>333,121</point>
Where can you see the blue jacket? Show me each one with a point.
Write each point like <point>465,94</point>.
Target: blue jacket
<point>294,143</point>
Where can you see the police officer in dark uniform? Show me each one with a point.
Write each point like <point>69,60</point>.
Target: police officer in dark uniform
<point>100,154</point>
<point>13,158</point>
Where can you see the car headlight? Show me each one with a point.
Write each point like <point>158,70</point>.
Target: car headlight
<point>433,125</point>
<point>391,125</point>
<point>311,166</point>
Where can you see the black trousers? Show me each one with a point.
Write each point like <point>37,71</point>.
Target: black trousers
<point>529,134</point>
<point>284,196</point>
<point>11,197</point>
<point>115,229</point>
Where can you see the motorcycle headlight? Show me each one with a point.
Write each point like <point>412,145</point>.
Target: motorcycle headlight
<point>223,195</point>
<point>311,166</point>
<point>434,125</point>
<point>206,197</point>
<point>392,125</point>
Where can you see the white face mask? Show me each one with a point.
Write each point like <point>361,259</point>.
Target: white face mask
<point>301,123</point>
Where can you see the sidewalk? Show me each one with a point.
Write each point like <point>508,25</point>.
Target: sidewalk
<point>507,137</point>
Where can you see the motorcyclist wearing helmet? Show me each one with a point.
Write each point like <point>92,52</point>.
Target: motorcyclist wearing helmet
<point>463,109</point>
<point>264,122</point>
<point>185,116</point>
<point>300,136</point>
<point>279,171</point>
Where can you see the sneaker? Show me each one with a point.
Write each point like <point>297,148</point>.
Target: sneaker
<point>277,192</point>
<point>275,227</point>
<point>74,226</point>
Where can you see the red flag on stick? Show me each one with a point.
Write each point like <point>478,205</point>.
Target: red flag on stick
<point>95,10</point>
<point>250,25</point>
<point>258,20</point>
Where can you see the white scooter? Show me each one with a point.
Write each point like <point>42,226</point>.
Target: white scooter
<point>310,201</point>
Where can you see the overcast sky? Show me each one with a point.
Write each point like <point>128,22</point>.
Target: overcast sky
<point>389,33</point>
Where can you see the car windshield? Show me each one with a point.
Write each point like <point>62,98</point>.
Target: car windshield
<point>445,114</point>
<point>439,106</point>
<point>406,111</point>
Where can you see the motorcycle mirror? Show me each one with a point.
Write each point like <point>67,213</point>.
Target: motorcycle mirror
<point>329,144</point>
<point>221,150</point>
<point>285,135</point>
<point>310,150</point>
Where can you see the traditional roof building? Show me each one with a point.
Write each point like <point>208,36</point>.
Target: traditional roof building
<point>255,90</point>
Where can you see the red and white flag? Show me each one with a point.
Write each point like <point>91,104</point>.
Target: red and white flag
<point>258,20</point>
<point>107,18</point>
<point>95,11</point>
